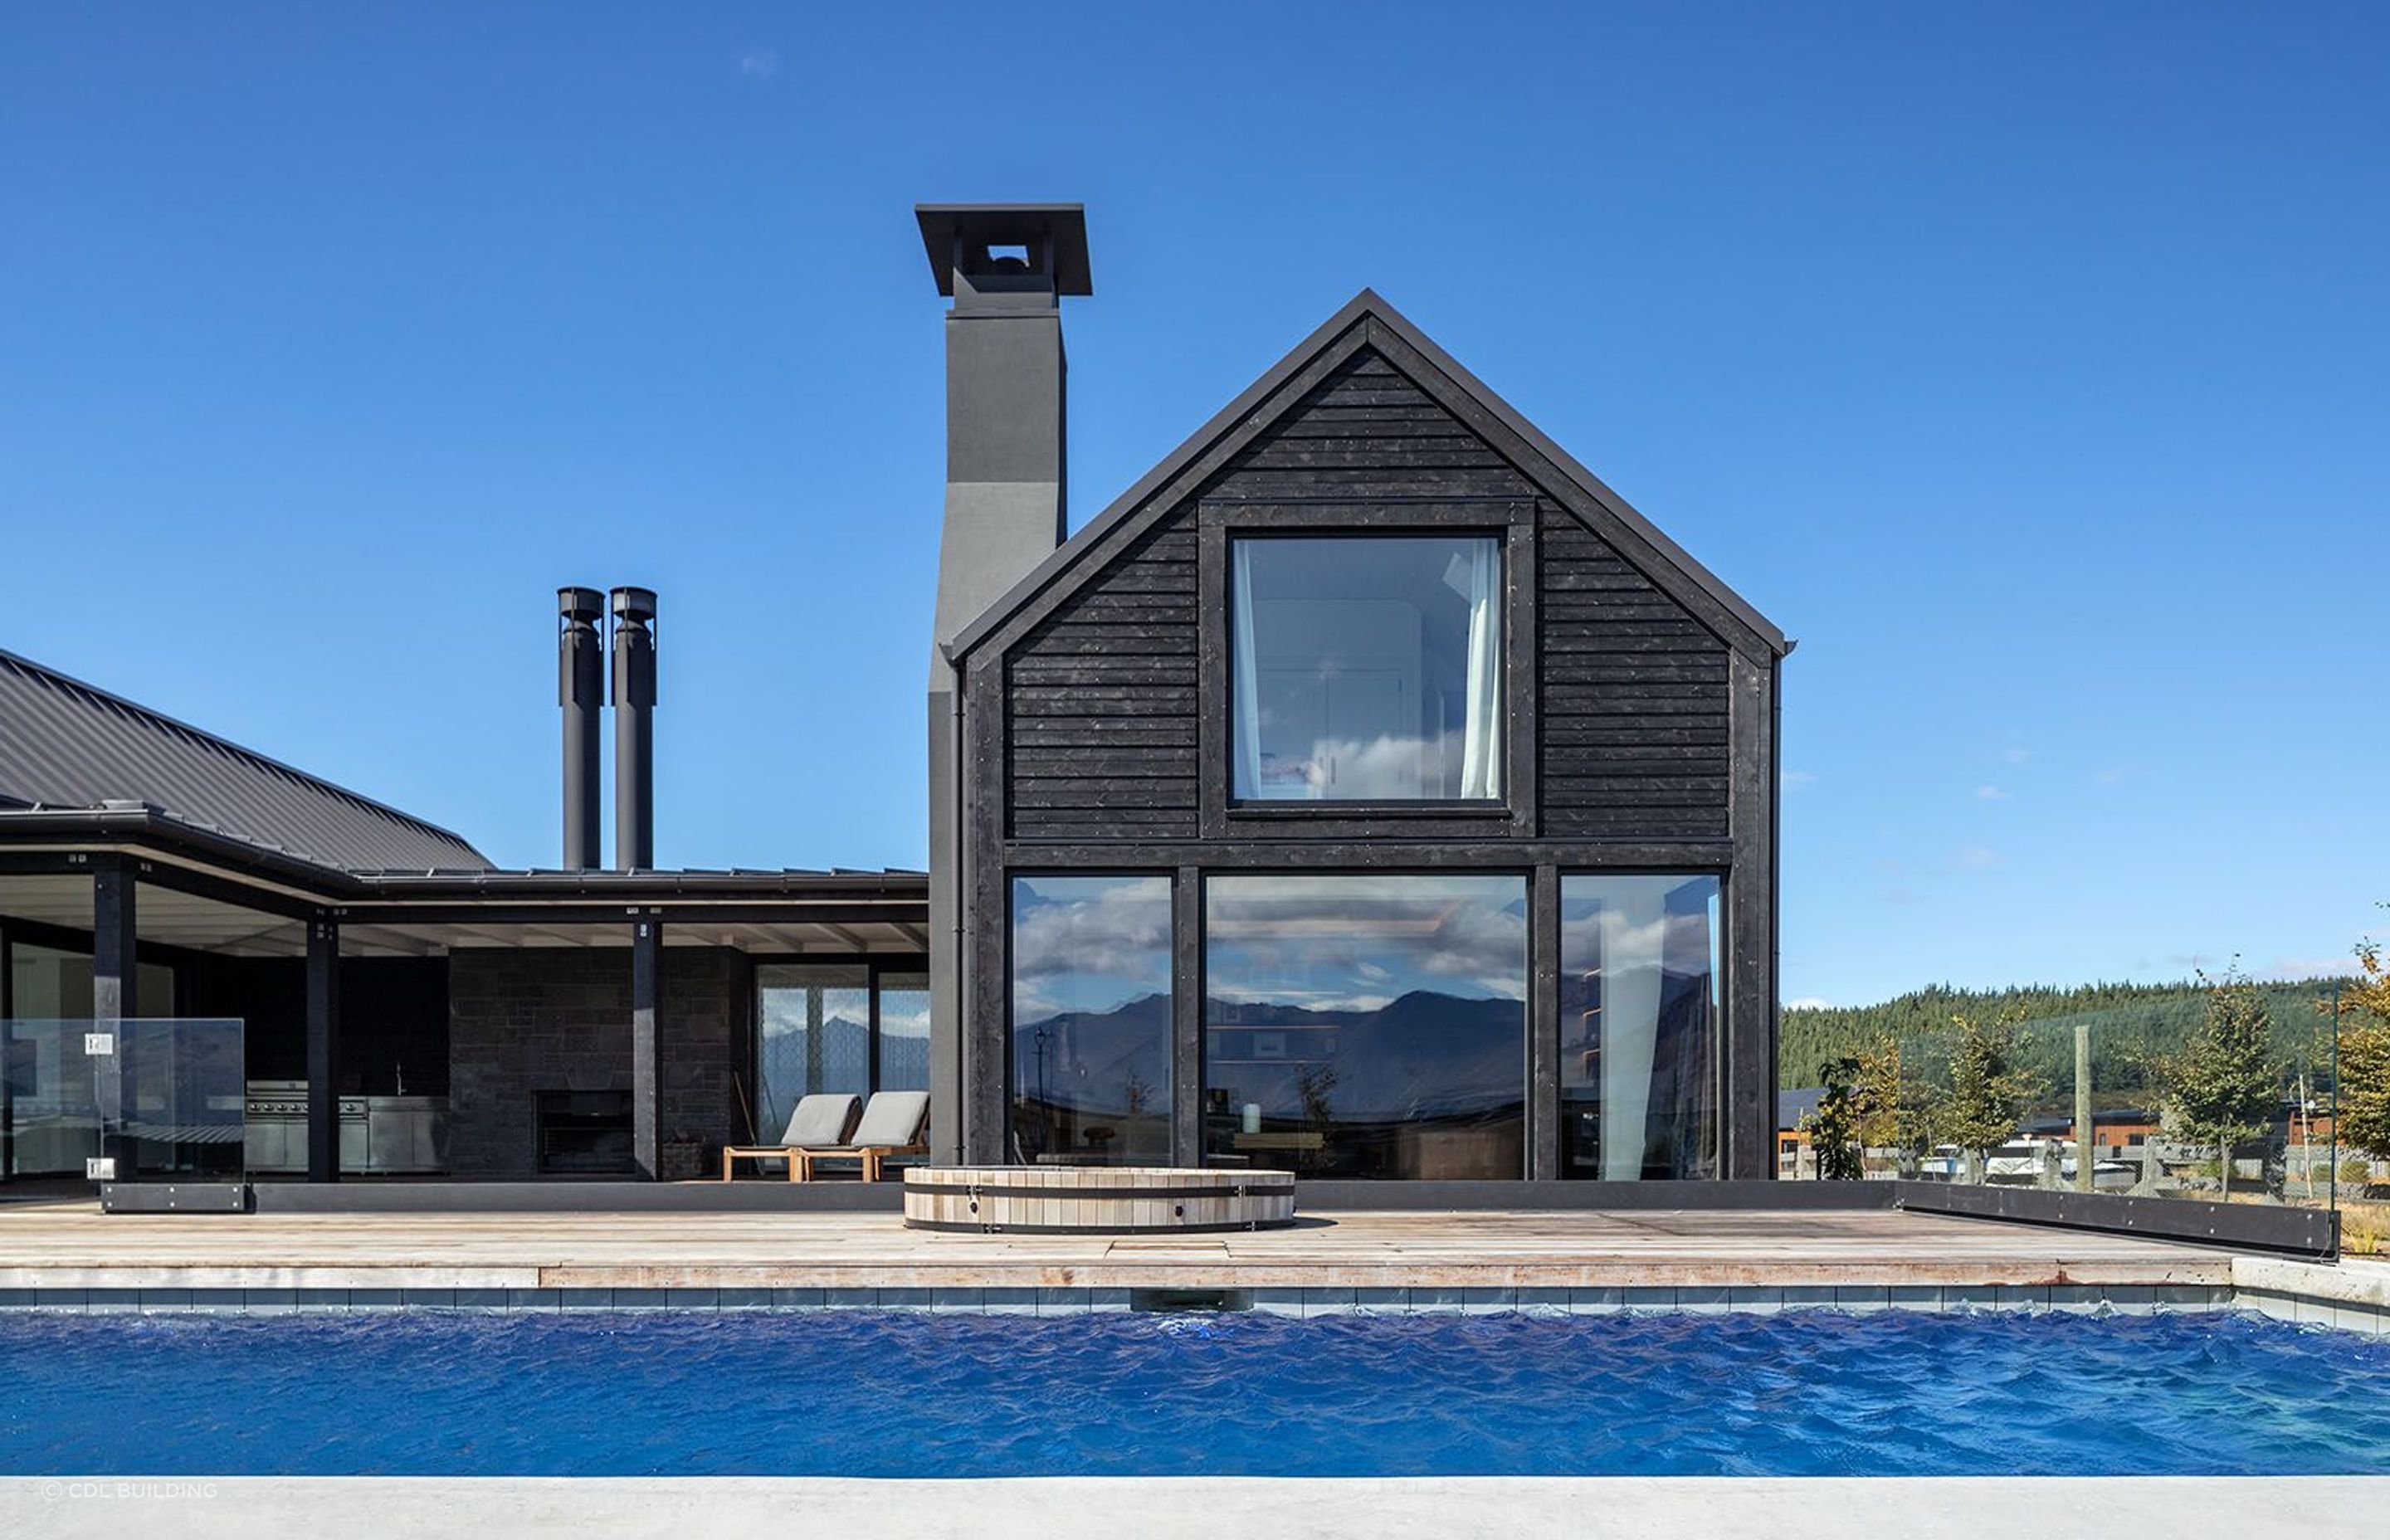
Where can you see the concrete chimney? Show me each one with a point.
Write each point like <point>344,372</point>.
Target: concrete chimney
<point>1006,267</point>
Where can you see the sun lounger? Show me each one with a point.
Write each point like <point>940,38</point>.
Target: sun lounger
<point>896,1122</point>
<point>824,1119</point>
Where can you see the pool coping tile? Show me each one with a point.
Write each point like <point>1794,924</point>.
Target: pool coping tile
<point>1307,1303</point>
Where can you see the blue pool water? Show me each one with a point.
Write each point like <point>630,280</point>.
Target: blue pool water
<point>886,1394</point>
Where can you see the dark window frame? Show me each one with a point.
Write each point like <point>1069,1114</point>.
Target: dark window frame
<point>1510,521</point>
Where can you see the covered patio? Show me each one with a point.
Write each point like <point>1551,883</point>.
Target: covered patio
<point>393,1024</point>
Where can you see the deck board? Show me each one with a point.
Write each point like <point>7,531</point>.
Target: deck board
<point>74,1246</point>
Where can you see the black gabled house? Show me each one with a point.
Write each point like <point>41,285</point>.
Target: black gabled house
<point>1370,791</point>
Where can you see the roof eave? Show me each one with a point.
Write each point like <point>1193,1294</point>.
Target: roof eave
<point>158,830</point>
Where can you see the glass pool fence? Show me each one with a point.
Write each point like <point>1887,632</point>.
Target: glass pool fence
<point>166,1091</point>
<point>2227,1094</point>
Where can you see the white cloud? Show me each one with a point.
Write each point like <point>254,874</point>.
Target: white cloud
<point>1795,780</point>
<point>2109,776</point>
<point>760,63</point>
<point>2290,969</point>
<point>1809,1002</point>
<point>1304,999</point>
<point>1975,859</point>
<point>1992,794</point>
<point>1288,929</point>
<point>1122,931</point>
<point>2016,754</point>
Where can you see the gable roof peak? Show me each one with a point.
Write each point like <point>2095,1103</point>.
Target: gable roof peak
<point>1389,334</point>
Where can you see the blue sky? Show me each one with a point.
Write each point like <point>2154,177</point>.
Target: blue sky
<point>2023,361</point>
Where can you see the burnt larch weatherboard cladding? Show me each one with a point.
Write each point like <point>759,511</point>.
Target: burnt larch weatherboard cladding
<point>1102,702</point>
<point>1103,737</point>
<point>1368,431</point>
<point>1632,698</point>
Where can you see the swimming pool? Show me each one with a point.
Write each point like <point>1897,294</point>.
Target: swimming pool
<point>877,1393</point>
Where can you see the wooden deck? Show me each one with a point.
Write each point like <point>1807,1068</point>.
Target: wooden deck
<point>74,1246</point>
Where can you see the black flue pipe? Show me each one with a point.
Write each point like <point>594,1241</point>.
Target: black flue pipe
<point>581,691</point>
<point>635,729</point>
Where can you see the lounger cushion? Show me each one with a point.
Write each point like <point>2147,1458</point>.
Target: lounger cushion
<point>820,1120</point>
<point>894,1118</point>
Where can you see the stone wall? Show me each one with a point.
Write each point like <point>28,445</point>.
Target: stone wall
<point>526,1021</point>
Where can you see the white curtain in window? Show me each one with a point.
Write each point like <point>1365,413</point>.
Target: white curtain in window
<point>1247,693</point>
<point>1633,933</point>
<point>1481,732</point>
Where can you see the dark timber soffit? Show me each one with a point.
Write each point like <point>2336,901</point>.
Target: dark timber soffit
<point>1237,421</point>
<point>68,745</point>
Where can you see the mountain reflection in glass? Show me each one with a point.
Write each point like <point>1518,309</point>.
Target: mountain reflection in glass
<point>904,1032</point>
<point>1638,1027</point>
<point>813,1033</point>
<point>1091,1020</point>
<point>1366,1027</point>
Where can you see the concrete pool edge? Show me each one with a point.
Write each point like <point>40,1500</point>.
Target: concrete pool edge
<point>1155,1509</point>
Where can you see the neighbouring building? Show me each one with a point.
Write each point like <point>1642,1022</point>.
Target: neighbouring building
<point>1368,791</point>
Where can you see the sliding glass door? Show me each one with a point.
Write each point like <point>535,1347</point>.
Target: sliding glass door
<point>854,1027</point>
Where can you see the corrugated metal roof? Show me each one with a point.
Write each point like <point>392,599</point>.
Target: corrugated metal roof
<point>66,744</point>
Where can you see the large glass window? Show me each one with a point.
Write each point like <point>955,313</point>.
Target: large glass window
<point>1367,668</point>
<point>1091,1020</point>
<point>829,1027</point>
<point>813,1033</point>
<point>904,1032</point>
<point>1639,1026</point>
<point>1367,1026</point>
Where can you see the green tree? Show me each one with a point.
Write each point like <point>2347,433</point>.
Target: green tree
<point>2361,1106</point>
<point>2226,1085</point>
<point>1833,1128</point>
<point>1990,1087</point>
<point>1900,1110</point>
<point>2133,1025</point>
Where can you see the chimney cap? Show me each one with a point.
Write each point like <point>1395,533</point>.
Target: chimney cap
<point>580,603</point>
<point>1007,225</point>
<point>634,604</point>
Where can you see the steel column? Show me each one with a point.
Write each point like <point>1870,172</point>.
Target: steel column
<point>323,1051</point>
<point>646,1060</point>
<point>1543,1024</point>
<point>1187,1017</point>
<point>115,999</point>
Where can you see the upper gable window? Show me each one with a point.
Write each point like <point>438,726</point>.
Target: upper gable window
<point>1366,667</point>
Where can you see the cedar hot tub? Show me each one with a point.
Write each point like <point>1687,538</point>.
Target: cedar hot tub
<point>1095,1200</point>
